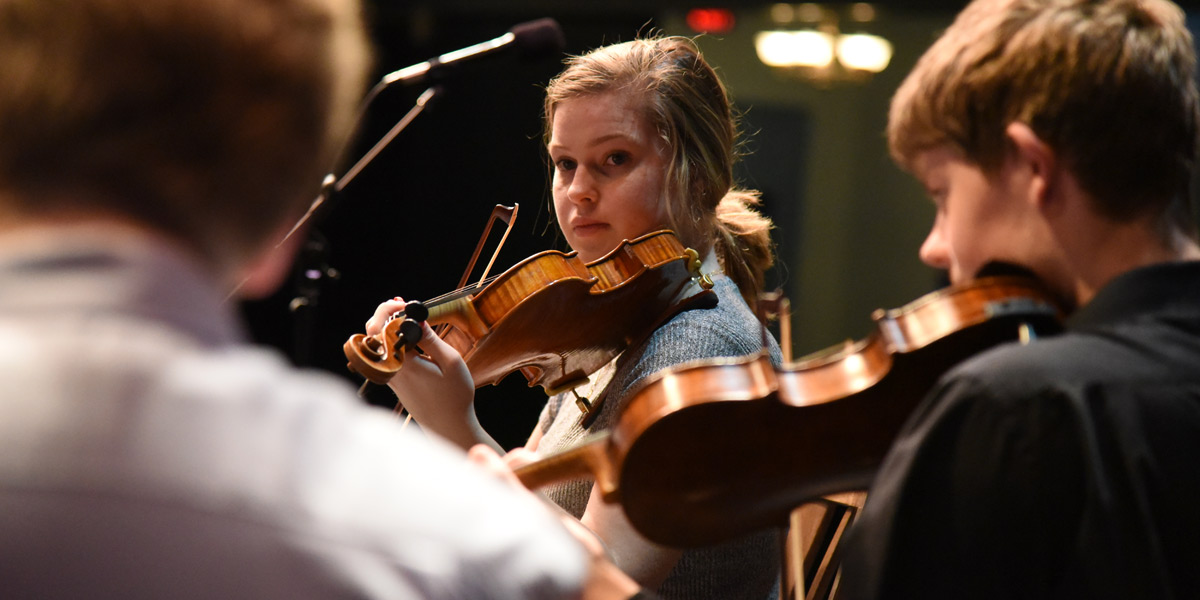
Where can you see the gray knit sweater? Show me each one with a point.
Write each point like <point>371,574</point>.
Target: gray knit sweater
<point>744,568</point>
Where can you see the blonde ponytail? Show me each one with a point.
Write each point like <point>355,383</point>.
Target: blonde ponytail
<point>743,242</point>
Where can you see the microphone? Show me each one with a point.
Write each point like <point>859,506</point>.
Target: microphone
<point>532,38</point>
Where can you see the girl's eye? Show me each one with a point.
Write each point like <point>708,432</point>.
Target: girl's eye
<point>617,158</point>
<point>565,164</point>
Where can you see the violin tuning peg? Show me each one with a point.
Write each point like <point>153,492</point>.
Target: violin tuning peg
<point>416,311</point>
<point>693,261</point>
<point>693,266</point>
<point>410,334</point>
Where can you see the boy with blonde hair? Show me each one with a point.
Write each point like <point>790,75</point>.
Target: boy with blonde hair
<point>1058,136</point>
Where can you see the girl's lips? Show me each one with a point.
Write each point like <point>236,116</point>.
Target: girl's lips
<point>587,228</point>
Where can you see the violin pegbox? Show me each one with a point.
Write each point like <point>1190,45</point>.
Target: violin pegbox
<point>378,357</point>
<point>369,356</point>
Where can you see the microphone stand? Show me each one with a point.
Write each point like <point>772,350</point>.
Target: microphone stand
<point>312,267</point>
<point>332,185</point>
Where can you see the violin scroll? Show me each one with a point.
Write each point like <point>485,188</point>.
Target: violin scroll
<point>379,357</point>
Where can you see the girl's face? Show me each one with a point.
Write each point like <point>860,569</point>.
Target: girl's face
<point>609,172</point>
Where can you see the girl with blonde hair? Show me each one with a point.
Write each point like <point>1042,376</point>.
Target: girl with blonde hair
<point>641,137</point>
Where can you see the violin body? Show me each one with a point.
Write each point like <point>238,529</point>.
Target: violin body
<point>552,317</point>
<point>711,450</point>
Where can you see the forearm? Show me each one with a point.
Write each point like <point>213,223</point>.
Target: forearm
<point>459,427</point>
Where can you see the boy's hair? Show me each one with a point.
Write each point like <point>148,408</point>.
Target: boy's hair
<point>209,120</point>
<point>1108,84</point>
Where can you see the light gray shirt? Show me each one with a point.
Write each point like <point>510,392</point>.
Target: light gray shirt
<point>147,451</point>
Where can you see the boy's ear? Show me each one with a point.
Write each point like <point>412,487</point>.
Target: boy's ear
<point>1029,150</point>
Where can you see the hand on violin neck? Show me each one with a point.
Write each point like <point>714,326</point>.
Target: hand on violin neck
<point>519,457</point>
<point>438,391</point>
<point>409,331</point>
<point>383,314</point>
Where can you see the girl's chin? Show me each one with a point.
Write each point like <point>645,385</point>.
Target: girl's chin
<point>593,249</point>
<point>590,257</point>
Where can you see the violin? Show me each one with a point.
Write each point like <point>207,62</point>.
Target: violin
<point>552,317</point>
<point>707,451</point>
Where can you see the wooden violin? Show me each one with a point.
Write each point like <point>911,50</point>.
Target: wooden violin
<point>552,317</point>
<point>711,450</point>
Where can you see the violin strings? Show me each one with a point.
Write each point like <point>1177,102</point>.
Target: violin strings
<point>460,292</point>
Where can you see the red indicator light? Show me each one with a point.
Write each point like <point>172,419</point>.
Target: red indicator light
<point>710,20</point>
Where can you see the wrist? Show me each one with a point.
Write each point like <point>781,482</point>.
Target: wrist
<point>463,431</point>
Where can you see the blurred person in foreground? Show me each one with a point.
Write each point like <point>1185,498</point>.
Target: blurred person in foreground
<point>152,153</point>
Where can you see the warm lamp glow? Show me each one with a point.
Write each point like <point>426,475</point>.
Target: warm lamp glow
<point>794,48</point>
<point>864,52</point>
<point>806,41</point>
<point>782,13</point>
